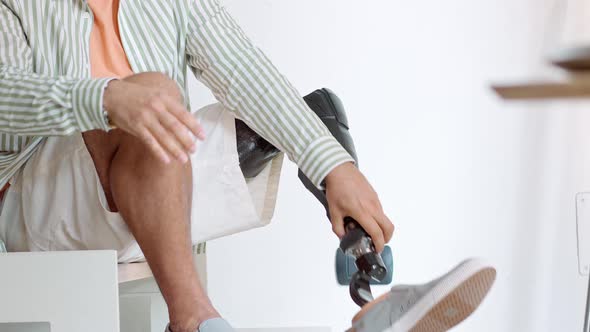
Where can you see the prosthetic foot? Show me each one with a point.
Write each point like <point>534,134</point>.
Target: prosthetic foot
<point>255,152</point>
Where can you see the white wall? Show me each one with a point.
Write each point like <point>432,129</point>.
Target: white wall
<point>460,172</point>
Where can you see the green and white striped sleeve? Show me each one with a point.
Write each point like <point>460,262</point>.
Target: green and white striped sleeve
<point>40,105</point>
<point>245,81</point>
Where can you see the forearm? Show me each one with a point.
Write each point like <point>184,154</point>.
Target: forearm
<point>246,82</point>
<point>39,105</point>
<point>280,115</point>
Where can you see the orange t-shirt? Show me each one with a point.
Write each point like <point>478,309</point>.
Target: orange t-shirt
<point>107,56</point>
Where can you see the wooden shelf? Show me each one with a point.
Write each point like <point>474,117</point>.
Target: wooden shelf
<point>569,86</point>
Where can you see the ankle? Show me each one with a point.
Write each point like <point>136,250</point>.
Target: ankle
<point>176,326</point>
<point>191,323</point>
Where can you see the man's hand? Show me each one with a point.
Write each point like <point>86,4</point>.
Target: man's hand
<point>349,194</point>
<point>154,116</point>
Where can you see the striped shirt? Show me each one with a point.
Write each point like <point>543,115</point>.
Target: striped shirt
<point>46,88</point>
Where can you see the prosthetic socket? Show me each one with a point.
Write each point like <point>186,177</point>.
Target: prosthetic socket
<point>255,153</point>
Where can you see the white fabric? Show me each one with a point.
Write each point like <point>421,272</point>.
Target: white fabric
<point>224,202</point>
<point>56,201</point>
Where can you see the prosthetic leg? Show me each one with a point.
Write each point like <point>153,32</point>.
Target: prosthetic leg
<point>255,152</point>
<point>436,306</point>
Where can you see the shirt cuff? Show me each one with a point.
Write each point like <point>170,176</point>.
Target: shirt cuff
<point>87,99</point>
<point>321,157</point>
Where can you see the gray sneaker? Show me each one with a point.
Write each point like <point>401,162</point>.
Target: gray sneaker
<point>212,325</point>
<point>433,307</point>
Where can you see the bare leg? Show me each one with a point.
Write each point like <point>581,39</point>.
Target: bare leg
<point>154,199</point>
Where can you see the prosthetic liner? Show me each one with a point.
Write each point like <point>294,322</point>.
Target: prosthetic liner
<point>255,152</point>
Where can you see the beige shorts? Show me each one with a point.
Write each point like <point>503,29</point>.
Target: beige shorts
<point>56,202</point>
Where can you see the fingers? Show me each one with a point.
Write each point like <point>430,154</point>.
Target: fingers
<point>170,128</point>
<point>182,134</point>
<point>337,223</point>
<point>382,220</point>
<point>370,225</point>
<point>167,141</point>
<point>158,119</point>
<point>386,225</point>
<point>350,194</point>
<point>153,145</point>
<point>185,118</point>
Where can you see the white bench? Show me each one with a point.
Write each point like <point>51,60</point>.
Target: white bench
<point>87,291</point>
<point>64,291</point>
<point>80,291</point>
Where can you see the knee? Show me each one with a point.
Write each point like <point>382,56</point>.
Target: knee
<point>159,81</point>
<point>137,156</point>
<point>131,148</point>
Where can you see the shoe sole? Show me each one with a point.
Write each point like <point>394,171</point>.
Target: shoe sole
<point>451,301</point>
